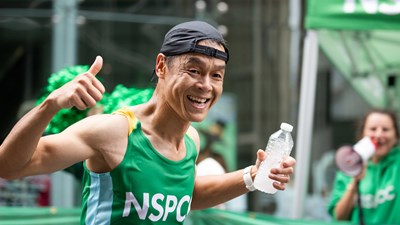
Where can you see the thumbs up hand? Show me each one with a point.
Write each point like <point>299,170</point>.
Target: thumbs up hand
<point>82,92</point>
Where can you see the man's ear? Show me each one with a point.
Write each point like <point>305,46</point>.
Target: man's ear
<point>160,65</point>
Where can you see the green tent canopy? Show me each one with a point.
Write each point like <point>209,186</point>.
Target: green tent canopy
<point>369,60</point>
<point>361,39</point>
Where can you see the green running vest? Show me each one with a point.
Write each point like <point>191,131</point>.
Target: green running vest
<point>145,188</point>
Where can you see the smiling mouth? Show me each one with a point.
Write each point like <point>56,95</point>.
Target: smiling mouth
<point>198,100</point>
<point>380,143</point>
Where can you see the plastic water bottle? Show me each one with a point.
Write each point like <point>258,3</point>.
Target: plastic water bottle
<point>279,146</point>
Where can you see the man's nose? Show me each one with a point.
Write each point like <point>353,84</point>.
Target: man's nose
<point>205,83</point>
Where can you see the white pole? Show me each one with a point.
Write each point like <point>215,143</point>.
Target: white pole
<point>64,34</point>
<point>64,54</point>
<point>305,121</point>
<point>295,43</point>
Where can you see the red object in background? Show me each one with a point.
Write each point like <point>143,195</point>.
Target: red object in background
<point>44,194</point>
<point>41,184</point>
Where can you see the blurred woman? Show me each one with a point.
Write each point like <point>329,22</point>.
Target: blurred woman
<point>378,183</point>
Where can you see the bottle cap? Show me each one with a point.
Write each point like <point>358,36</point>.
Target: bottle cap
<point>287,127</point>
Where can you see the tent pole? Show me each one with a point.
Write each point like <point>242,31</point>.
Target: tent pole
<point>305,121</point>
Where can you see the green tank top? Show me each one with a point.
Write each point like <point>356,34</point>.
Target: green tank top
<point>145,188</point>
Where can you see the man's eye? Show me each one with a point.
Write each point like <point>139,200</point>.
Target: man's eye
<point>194,71</point>
<point>217,75</point>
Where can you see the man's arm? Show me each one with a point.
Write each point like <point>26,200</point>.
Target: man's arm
<point>213,190</point>
<point>24,147</point>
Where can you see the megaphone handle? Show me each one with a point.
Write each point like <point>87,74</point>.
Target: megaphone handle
<point>360,212</point>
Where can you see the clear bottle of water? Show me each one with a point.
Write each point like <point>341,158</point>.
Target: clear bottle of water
<point>279,146</point>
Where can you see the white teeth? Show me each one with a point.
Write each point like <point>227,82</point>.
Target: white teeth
<point>196,99</point>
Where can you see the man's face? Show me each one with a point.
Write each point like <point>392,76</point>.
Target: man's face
<point>194,83</point>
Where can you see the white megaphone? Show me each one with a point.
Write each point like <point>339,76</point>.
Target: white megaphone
<point>351,159</point>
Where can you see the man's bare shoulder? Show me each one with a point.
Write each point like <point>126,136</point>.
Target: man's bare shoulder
<point>100,129</point>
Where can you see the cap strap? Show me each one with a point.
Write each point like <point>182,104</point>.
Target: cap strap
<point>205,50</point>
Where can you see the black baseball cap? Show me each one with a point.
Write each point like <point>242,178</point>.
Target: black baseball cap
<point>183,38</point>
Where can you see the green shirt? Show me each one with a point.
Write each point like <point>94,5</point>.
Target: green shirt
<point>145,188</point>
<point>380,189</point>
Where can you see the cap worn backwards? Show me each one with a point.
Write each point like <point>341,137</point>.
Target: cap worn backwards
<point>183,38</point>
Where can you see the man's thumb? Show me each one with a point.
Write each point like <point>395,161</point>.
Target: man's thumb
<point>96,66</point>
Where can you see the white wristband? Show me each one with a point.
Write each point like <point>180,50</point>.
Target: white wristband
<point>247,178</point>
